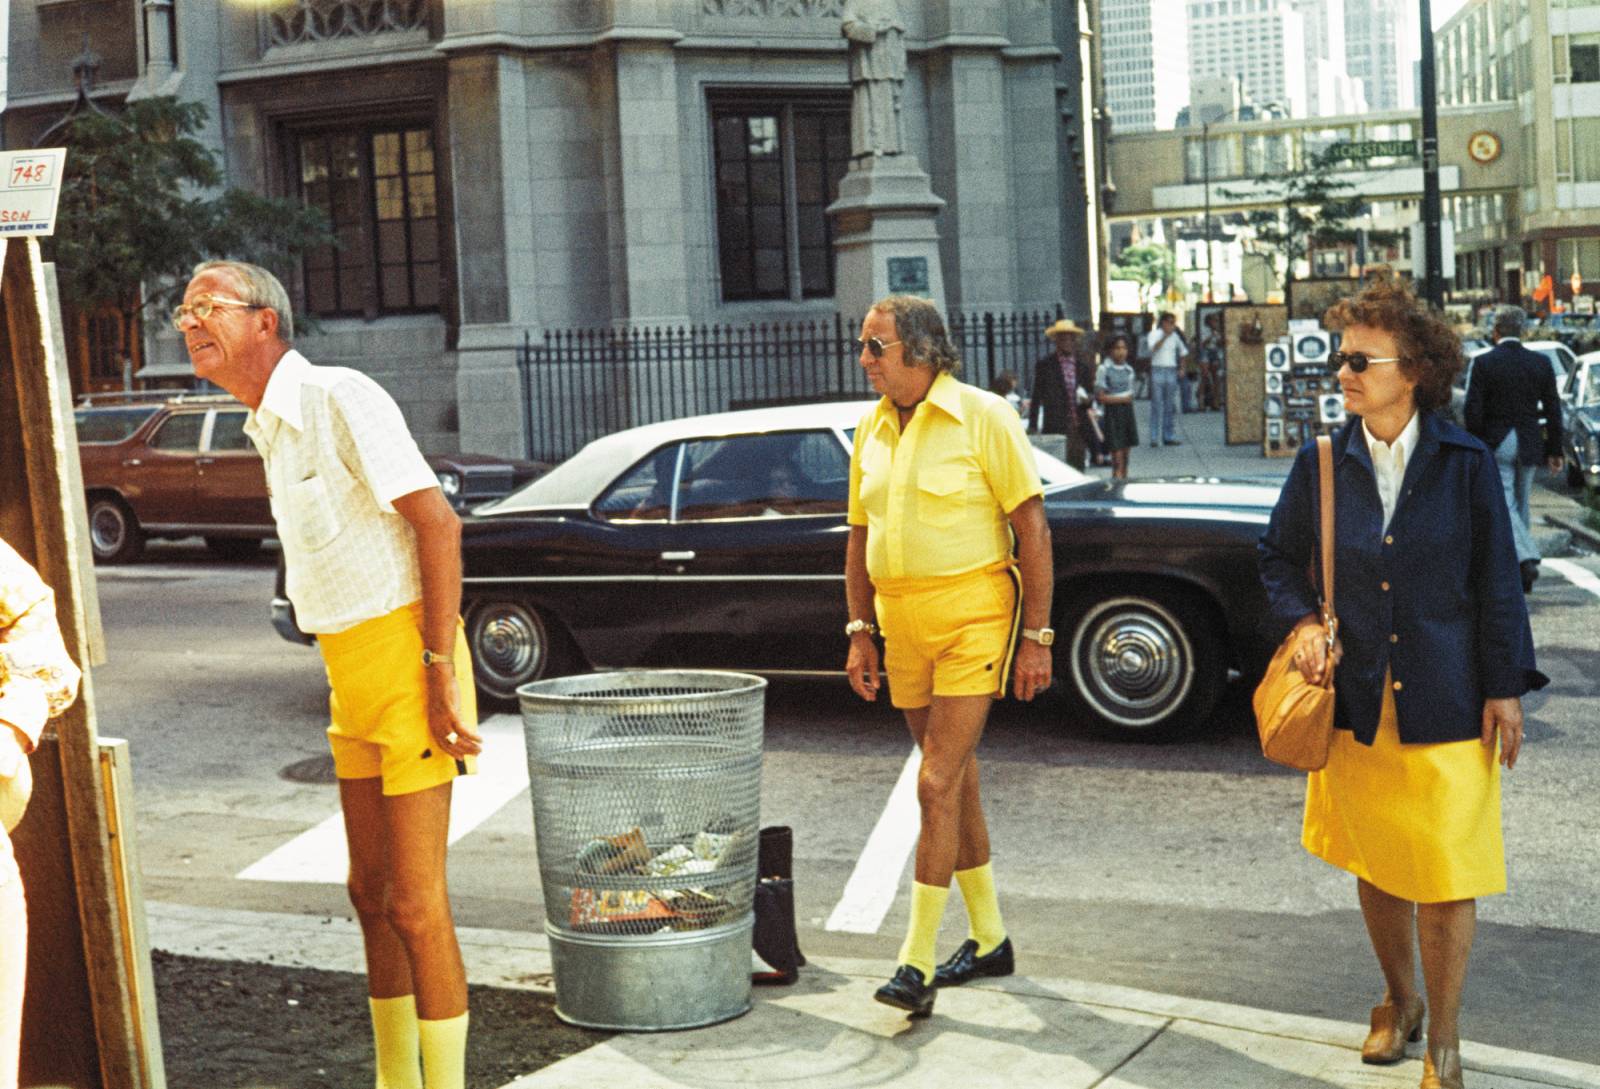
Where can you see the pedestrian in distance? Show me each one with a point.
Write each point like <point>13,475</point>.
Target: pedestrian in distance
<point>1434,652</point>
<point>949,557</point>
<point>1113,388</point>
<point>38,681</point>
<point>1509,391</point>
<point>1213,347</point>
<point>373,559</point>
<point>1062,380</point>
<point>1005,384</point>
<point>1168,354</point>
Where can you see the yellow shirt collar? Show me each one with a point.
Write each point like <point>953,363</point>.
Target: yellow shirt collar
<point>944,394</point>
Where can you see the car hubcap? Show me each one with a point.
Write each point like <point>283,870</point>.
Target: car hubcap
<point>1132,661</point>
<point>106,529</point>
<point>509,646</point>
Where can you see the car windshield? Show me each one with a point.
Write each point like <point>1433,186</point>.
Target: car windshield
<point>1589,394</point>
<point>111,424</point>
<point>1053,472</point>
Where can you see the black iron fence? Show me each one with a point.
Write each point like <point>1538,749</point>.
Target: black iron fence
<point>580,384</point>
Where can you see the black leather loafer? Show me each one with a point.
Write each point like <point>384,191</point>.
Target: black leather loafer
<point>907,991</point>
<point>965,964</point>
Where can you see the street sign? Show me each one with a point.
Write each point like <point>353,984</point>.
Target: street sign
<point>1372,149</point>
<point>1447,243</point>
<point>30,186</point>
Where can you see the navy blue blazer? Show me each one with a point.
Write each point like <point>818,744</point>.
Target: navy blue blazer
<point>1436,602</point>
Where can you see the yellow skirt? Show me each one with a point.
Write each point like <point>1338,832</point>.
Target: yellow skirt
<point>1420,822</point>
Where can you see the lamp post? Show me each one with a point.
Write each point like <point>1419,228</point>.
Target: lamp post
<point>1432,211</point>
<point>1205,157</point>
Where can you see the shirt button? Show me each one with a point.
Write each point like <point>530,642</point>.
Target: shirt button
<point>1398,686</point>
<point>1385,586</point>
<point>1389,539</point>
<point>1394,638</point>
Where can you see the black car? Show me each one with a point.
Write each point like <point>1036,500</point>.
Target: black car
<point>1580,411</point>
<point>719,541</point>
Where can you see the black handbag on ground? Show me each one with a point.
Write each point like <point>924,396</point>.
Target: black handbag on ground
<point>774,938</point>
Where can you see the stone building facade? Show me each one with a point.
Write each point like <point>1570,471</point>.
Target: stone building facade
<point>495,168</point>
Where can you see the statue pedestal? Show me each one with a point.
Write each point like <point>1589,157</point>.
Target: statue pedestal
<point>885,240</point>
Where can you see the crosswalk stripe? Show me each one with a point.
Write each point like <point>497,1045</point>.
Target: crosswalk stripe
<point>870,892</point>
<point>319,854</point>
<point>1578,576</point>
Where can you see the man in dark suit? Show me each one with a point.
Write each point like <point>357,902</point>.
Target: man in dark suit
<point>1509,390</point>
<point>1063,384</point>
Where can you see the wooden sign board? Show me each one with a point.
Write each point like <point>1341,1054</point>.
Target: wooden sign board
<point>88,1015</point>
<point>1249,330</point>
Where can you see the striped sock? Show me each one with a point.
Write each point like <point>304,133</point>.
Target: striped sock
<point>922,935</point>
<point>984,925</point>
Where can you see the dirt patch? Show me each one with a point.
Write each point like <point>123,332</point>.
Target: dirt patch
<point>236,1025</point>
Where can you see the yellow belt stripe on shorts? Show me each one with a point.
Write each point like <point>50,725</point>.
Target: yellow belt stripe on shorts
<point>1016,630</point>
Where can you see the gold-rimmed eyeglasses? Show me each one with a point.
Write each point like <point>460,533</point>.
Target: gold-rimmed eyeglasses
<point>203,306</point>
<point>878,347</point>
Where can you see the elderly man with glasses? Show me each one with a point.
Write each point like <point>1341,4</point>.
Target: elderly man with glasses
<point>373,557</point>
<point>949,557</point>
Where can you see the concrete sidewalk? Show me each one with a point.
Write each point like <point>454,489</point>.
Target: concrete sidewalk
<point>827,1033</point>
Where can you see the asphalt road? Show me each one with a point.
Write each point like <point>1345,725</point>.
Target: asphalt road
<point>1173,868</point>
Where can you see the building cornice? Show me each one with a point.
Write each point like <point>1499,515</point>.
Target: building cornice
<point>111,91</point>
<point>341,62</point>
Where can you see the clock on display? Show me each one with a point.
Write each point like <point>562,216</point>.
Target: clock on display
<point>1484,147</point>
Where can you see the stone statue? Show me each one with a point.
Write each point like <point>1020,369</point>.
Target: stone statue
<point>877,72</point>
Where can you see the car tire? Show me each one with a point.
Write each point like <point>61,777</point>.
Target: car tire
<point>1143,664</point>
<point>512,643</point>
<point>233,548</point>
<point>114,533</point>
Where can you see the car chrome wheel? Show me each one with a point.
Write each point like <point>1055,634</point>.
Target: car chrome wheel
<point>114,534</point>
<point>510,647</point>
<point>1132,662</point>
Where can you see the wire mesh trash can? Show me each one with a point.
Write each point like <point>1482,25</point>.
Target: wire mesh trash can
<point>646,793</point>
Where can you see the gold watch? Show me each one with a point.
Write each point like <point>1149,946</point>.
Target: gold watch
<point>1043,636</point>
<point>860,625</point>
<point>429,658</point>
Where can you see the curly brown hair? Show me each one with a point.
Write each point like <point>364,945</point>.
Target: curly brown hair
<point>1430,351</point>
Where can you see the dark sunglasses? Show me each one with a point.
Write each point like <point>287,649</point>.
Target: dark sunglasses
<point>878,347</point>
<point>1357,361</point>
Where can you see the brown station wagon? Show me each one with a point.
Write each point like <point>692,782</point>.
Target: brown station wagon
<point>182,466</point>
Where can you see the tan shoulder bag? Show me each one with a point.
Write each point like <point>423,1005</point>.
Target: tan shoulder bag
<point>1293,716</point>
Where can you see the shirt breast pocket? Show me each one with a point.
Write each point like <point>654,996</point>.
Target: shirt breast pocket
<point>941,495</point>
<point>313,514</point>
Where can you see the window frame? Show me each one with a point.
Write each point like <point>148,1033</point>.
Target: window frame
<point>366,129</point>
<point>784,104</point>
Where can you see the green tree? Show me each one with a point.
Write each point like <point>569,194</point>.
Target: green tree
<point>1149,264</point>
<point>140,206</point>
<point>1312,209</point>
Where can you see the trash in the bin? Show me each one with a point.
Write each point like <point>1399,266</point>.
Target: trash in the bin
<point>678,859</point>
<point>606,909</point>
<point>614,854</point>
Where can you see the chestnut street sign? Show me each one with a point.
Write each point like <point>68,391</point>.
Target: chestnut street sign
<point>30,186</point>
<point>1372,149</point>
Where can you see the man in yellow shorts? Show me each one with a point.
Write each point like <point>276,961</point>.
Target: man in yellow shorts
<point>373,559</point>
<point>950,551</point>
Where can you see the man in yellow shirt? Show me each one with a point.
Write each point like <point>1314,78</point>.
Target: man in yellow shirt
<point>949,555</point>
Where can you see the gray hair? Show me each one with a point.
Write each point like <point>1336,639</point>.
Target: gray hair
<point>1509,320</point>
<point>920,328</point>
<point>260,288</point>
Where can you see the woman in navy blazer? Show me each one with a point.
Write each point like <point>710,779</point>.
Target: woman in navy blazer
<point>1434,653</point>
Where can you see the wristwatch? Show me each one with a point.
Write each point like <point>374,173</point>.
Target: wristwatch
<point>861,625</point>
<point>1043,636</point>
<point>429,658</point>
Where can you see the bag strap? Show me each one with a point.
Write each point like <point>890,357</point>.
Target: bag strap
<point>1325,471</point>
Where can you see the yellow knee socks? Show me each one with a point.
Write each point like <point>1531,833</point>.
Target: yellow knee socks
<point>444,1052</point>
<point>394,1035</point>
<point>927,909</point>
<point>983,908</point>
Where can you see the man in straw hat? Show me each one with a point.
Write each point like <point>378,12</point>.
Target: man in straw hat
<point>949,553</point>
<point>1063,385</point>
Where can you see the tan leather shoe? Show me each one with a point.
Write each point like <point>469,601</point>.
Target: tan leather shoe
<point>1441,1069</point>
<point>1391,1028</point>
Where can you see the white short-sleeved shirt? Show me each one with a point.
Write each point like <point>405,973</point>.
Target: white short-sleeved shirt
<point>338,454</point>
<point>1389,463</point>
<point>1166,355</point>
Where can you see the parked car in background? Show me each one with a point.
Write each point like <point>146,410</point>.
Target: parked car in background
<point>719,541</point>
<point>1580,408</point>
<point>1562,361</point>
<point>180,465</point>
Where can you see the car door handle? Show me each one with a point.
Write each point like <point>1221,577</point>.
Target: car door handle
<point>133,461</point>
<point>204,461</point>
<point>676,557</point>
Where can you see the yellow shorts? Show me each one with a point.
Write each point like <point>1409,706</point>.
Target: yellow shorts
<point>379,703</point>
<point>949,636</point>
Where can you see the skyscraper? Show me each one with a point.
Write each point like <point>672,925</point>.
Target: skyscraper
<point>1144,47</point>
<point>1383,42</point>
<point>1330,88</point>
<point>1260,42</point>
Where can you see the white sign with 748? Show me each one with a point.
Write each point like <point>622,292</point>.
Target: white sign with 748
<point>30,186</point>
